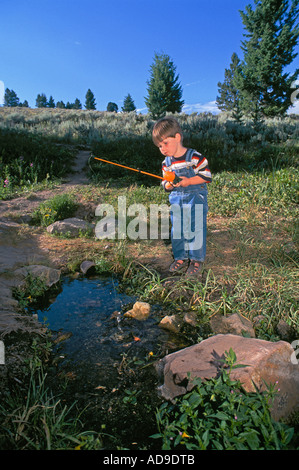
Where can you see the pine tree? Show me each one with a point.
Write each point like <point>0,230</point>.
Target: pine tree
<point>128,105</point>
<point>60,104</point>
<point>90,100</point>
<point>229,98</point>
<point>51,102</point>
<point>112,107</point>
<point>164,90</point>
<point>10,98</point>
<point>77,104</point>
<point>271,37</point>
<point>41,101</point>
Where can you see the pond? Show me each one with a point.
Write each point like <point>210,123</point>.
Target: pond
<point>105,357</point>
<point>88,312</point>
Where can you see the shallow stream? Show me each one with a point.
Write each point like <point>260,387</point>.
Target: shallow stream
<point>89,314</point>
<point>107,358</point>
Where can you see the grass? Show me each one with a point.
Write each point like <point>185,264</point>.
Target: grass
<point>252,257</point>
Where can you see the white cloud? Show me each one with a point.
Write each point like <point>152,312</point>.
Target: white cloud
<point>1,92</point>
<point>294,109</point>
<point>209,107</point>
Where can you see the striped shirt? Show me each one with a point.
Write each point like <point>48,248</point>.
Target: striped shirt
<point>198,162</point>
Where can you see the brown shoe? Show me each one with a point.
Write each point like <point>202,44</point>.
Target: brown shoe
<point>178,265</point>
<point>194,267</point>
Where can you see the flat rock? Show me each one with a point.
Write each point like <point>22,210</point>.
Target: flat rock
<point>72,227</point>
<point>234,324</point>
<point>49,275</point>
<point>265,362</point>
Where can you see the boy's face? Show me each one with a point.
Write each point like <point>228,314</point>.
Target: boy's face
<point>170,146</point>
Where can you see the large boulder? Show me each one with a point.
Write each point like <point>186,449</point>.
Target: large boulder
<point>266,362</point>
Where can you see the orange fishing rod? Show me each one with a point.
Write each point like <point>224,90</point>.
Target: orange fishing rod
<point>168,175</point>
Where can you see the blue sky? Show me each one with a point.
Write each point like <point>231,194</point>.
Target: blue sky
<point>64,47</point>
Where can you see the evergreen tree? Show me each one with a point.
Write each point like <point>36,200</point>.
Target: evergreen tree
<point>51,102</point>
<point>77,104</point>
<point>25,104</point>
<point>90,100</point>
<point>129,105</point>
<point>41,101</point>
<point>10,98</point>
<point>60,104</point>
<point>164,90</point>
<point>271,37</point>
<point>229,98</point>
<point>112,107</point>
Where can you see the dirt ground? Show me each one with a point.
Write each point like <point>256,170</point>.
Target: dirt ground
<point>22,244</point>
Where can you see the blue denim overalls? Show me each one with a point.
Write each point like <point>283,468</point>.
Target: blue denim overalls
<point>188,213</point>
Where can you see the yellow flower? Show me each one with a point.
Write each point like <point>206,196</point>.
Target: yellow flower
<point>151,353</point>
<point>185,434</point>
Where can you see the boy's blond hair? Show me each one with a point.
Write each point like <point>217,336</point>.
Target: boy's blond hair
<point>166,127</point>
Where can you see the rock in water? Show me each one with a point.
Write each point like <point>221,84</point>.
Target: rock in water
<point>140,311</point>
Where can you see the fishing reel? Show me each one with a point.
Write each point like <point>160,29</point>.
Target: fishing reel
<point>171,177</point>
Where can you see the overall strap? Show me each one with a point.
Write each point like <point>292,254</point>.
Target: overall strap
<point>168,161</point>
<point>189,155</point>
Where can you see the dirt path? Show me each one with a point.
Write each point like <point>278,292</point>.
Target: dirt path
<point>20,245</point>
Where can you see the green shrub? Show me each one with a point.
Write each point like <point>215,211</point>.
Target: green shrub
<point>27,158</point>
<point>61,206</point>
<point>219,415</point>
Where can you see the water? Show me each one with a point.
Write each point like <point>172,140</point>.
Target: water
<point>91,311</point>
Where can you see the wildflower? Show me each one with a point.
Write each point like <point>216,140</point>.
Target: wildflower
<point>184,434</point>
<point>31,164</point>
<point>151,353</point>
<point>6,182</point>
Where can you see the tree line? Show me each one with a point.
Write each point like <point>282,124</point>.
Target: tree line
<point>11,100</point>
<point>258,86</point>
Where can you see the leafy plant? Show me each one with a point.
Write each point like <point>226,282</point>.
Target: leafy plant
<point>31,290</point>
<point>59,207</point>
<point>218,414</point>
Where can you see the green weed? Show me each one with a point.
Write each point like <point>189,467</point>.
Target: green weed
<point>219,415</point>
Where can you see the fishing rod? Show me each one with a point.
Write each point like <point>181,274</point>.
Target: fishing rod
<point>168,175</point>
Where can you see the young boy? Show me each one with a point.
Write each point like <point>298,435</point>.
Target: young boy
<point>188,197</point>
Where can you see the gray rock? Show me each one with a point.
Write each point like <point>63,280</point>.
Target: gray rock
<point>49,275</point>
<point>72,227</point>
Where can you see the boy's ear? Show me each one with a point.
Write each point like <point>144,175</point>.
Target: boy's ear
<point>178,137</point>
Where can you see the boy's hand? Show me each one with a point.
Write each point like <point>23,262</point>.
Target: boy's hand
<point>183,183</point>
<point>169,186</point>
